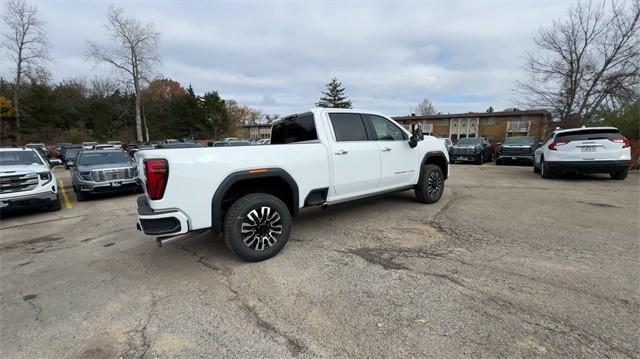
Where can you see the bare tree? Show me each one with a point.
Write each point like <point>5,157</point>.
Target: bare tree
<point>102,87</point>
<point>592,56</point>
<point>134,53</point>
<point>425,108</point>
<point>26,43</point>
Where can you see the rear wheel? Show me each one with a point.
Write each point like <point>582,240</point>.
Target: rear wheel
<point>430,185</point>
<point>620,175</point>
<point>536,169</point>
<point>544,170</point>
<point>257,226</point>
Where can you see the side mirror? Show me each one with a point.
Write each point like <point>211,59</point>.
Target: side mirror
<point>416,135</point>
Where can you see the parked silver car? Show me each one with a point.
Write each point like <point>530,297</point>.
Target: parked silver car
<point>102,171</point>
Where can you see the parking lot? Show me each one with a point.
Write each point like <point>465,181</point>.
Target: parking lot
<point>505,265</point>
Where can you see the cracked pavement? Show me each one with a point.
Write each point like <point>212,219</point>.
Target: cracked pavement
<point>505,265</point>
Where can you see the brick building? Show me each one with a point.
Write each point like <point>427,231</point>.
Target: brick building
<point>494,126</point>
<point>258,131</point>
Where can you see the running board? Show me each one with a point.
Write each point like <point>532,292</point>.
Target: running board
<point>163,240</point>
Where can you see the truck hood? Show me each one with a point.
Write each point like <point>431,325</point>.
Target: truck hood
<point>22,169</point>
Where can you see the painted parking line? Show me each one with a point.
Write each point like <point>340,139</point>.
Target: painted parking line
<point>65,197</point>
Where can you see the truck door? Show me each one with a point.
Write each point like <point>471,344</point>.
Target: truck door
<point>398,161</point>
<point>356,160</point>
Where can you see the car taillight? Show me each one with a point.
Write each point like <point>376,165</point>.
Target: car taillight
<point>157,173</point>
<point>553,145</point>
<point>625,141</point>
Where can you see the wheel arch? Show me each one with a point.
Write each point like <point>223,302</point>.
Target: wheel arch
<point>275,181</point>
<point>437,158</point>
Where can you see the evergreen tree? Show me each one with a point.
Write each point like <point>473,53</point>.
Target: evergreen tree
<point>215,113</point>
<point>334,96</point>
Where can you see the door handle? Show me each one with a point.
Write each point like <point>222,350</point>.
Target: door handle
<point>386,149</point>
<point>341,152</point>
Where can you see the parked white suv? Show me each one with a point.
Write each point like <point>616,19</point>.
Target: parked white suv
<point>26,180</point>
<point>585,150</point>
<point>317,158</point>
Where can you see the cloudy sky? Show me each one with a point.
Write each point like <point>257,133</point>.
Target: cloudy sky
<point>277,55</point>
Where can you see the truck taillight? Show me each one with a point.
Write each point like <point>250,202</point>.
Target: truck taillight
<point>553,145</point>
<point>157,172</point>
<point>625,141</point>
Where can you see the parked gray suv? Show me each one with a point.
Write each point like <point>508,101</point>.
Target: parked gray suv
<point>104,171</point>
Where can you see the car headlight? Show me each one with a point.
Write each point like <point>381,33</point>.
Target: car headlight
<point>86,175</point>
<point>45,176</point>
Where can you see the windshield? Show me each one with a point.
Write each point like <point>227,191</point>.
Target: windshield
<point>519,141</point>
<point>469,141</point>
<point>102,158</point>
<point>13,158</point>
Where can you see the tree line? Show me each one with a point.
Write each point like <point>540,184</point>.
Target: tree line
<point>99,109</point>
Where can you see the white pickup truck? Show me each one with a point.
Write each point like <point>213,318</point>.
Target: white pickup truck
<point>249,194</point>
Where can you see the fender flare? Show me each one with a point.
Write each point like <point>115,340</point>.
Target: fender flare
<point>231,179</point>
<point>436,154</point>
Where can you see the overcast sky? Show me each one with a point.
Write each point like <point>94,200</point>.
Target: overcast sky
<point>278,55</point>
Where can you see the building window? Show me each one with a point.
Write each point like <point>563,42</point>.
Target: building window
<point>444,122</point>
<point>518,126</point>
<point>488,121</point>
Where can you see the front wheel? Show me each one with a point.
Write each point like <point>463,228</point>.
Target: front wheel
<point>430,184</point>
<point>257,226</point>
<point>55,205</point>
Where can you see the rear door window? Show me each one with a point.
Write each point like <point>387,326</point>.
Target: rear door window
<point>299,128</point>
<point>348,127</point>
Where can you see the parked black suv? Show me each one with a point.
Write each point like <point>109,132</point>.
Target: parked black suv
<point>516,149</point>
<point>475,149</point>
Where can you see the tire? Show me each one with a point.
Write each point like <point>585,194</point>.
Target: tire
<point>498,162</point>
<point>55,205</point>
<point>480,159</point>
<point>620,175</point>
<point>248,219</point>
<point>430,184</point>
<point>535,168</point>
<point>544,171</point>
<point>81,196</point>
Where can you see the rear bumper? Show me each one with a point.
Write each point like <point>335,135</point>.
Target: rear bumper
<point>587,166</point>
<point>160,223</point>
